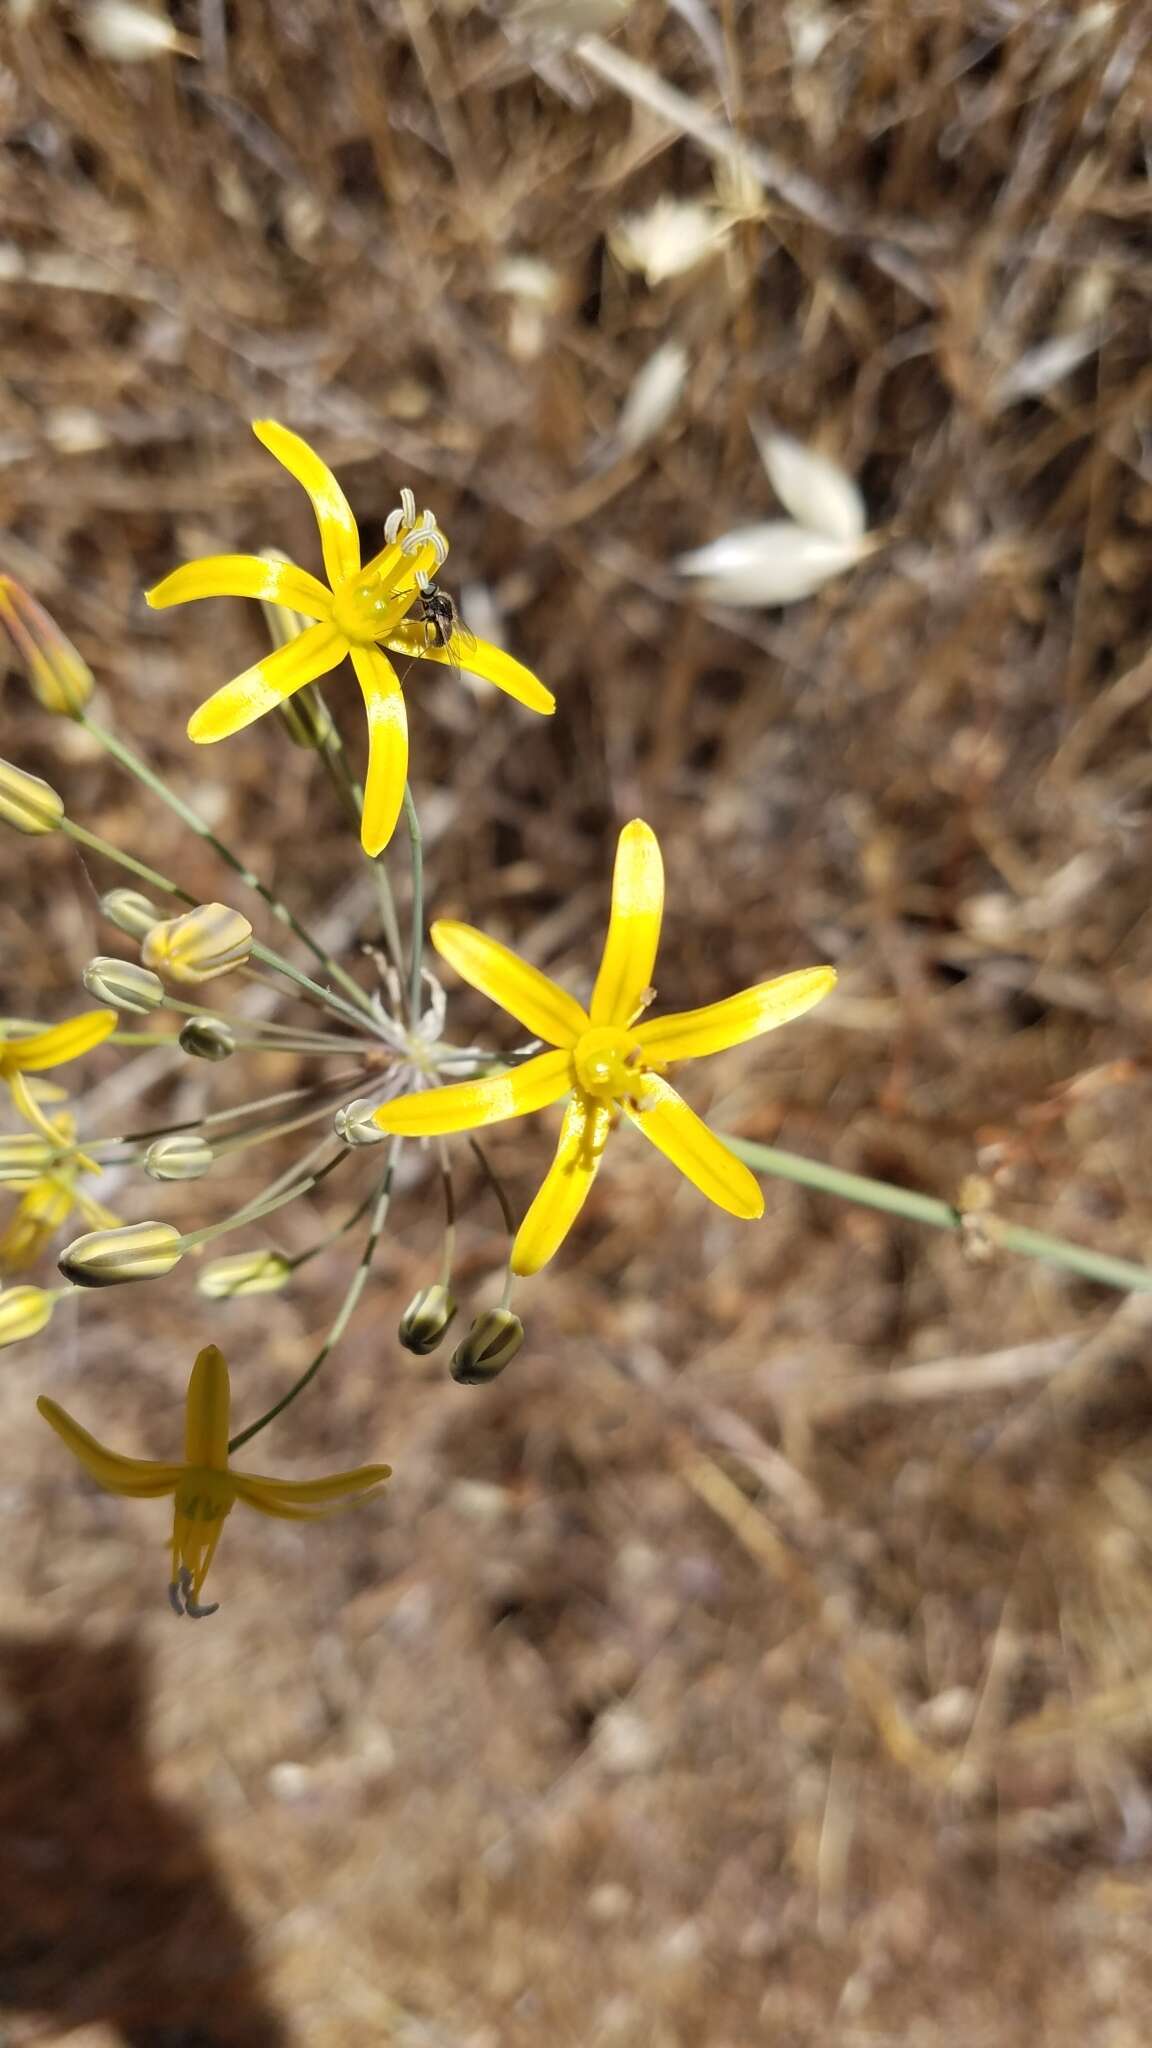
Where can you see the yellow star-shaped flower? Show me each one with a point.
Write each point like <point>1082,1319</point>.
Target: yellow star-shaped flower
<point>361,610</point>
<point>204,1488</point>
<point>606,1061</point>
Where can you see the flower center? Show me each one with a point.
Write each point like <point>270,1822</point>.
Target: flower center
<point>368,606</point>
<point>608,1061</point>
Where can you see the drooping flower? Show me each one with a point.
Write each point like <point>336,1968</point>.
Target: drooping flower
<point>606,1061</point>
<point>360,611</point>
<point>47,1177</point>
<point>204,1488</point>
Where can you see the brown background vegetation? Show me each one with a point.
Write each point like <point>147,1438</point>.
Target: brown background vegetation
<point>717,1677</point>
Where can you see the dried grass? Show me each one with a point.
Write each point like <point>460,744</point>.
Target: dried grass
<point>768,1656</point>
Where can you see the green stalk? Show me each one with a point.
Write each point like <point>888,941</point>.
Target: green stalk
<point>882,1194</point>
<point>344,1313</point>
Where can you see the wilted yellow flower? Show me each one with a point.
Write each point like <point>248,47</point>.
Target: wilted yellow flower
<point>361,611</point>
<point>199,945</point>
<point>606,1061</point>
<point>49,1196</point>
<point>204,1488</point>
<point>60,677</point>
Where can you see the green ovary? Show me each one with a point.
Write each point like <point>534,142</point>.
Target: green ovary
<point>608,1063</point>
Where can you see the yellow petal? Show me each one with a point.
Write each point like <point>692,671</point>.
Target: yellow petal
<point>583,1135</point>
<point>480,658</point>
<point>305,1500</point>
<point>533,998</point>
<point>139,1478</point>
<point>634,929</point>
<point>468,1105</point>
<point>678,1132</point>
<point>207,1410</point>
<point>387,747</point>
<point>248,696</point>
<point>690,1033</point>
<point>339,538</point>
<point>243,576</point>
<point>59,1042</point>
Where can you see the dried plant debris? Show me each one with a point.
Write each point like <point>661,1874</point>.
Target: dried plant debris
<point>705,1676</point>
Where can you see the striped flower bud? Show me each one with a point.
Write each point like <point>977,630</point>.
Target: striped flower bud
<point>263,1272</point>
<point>25,1156</point>
<point>182,1155</point>
<point>491,1343</point>
<point>354,1123</point>
<point>199,945</point>
<point>208,1038</point>
<point>134,1251</point>
<point>425,1321</point>
<point>130,912</point>
<point>23,1313</point>
<point>124,984</point>
<point>60,677</point>
<point>26,802</point>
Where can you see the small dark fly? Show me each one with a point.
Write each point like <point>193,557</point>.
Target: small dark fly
<point>439,617</point>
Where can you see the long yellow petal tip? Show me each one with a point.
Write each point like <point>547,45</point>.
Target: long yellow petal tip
<point>197,728</point>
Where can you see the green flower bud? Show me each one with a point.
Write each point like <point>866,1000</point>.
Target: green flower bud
<point>354,1123</point>
<point>199,945</point>
<point>134,1251</point>
<point>26,802</point>
<point>263,1272</point>
<point>130,912</point>
<point>124,984</point>
<point>182,1155</point>
<point>24,1157</point>
<point>491,1344</point>
<point>425,1321</point>
<point>208,1038</point>
<point>60,677</point>
<point>24,1311</point>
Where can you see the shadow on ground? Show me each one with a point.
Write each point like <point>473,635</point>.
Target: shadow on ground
<point>110,1910</point>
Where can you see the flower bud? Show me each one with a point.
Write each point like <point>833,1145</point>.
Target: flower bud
<point>124,984</point>
<point>199,945</point>
<point>425,1321</point>
<point>23,1312</point>
<point>26,802</point>
<point>130,912</point>
<point>491,1344</point>
<point>60,677</point>
<point>354,1123</point>
<point>263,1272</point>
<point>182,1155</point>
<point>24,1157</point>
<point>134,1251</point>
<point>208,1038</point>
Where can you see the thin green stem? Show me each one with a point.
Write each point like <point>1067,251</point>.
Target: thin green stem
<point>344,1313</point>
<point>882,1194</point>
<point>261,952</point>
<point>264,1205</point>
<point>132,762</point>
<point>334,1087</point>
<point>416,854</point>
